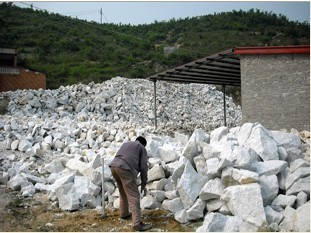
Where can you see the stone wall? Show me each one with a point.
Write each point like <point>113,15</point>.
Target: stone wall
<point>276,90</point>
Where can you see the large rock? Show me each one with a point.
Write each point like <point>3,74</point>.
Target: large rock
<point>216,222</point>
<point>272,167</point>
<point>191,149</point>
<point>298,163</point>
<point>214,166</point>
<point>190,185</point>
<point>261,141</point>
<point>196,210</point>
<point>269,188</point>
<point>149,202</point>
<point>290,142</point>
<point>218,133</point>
<point>158,184</point>
<point>212,189</point>
<point>302,223</point>
<point>178,169</point>
<point>243,158</point>
<point>282,176</point>
<point>54,166</point>
<point>81,184</point>
<point>301,172</point>
<point>244,132</point>
<point>152,147</point>
<point>213,222</point>
<point>68,197</point>
<point>17,182</point>
<point>181,216</point>
<point>33,179</point>
<point>156,173</point>
<point>232,176</point>
<point>167,153</point>
<point>183,138</point>
<point>77,165</point>
<point>174,205</point>
<point>90,201</point>
<point>283,201</point>
<point>159,195</point>
<point>245,201</point>
<point>65,179</point>
<point>214,205</point>
<point>302,198</point>
<point>28,191</point>
<point>212,150</point>
<point>24,145</point>
<point>288,222</point>
<point>272,215</point>
<point>302,184</point>
<point>200,164</point>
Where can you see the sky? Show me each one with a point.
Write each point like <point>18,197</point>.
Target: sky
<point>147,12</point>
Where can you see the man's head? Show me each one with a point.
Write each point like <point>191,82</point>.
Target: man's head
<point>142,140</point>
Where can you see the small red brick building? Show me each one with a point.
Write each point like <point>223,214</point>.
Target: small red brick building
<point>13,77</point>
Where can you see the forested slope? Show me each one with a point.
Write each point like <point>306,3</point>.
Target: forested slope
<point>70,51</point>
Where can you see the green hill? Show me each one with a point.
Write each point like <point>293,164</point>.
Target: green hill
<point>70,51</point>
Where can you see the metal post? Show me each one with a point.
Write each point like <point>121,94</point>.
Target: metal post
<point>103,215</point>
<point>225,120</point>
<point>155,103</point>
<point>101,15</point>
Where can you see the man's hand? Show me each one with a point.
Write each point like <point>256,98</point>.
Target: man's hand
<point>144,191</point>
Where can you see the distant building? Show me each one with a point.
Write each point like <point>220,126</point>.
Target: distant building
<point>275,84</point>
<point>274,81</point>
<point>13,77</point>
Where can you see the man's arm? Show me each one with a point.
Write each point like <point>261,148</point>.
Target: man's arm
<point>143,168</point>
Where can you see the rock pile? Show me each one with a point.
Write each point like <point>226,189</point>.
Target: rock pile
<point>130,100</point>
<point>243,178</point>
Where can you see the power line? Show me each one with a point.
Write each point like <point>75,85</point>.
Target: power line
<point>32,6</point>
<point>79,12</point>
<point>84,13</point>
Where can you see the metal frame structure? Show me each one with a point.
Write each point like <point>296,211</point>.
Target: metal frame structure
<point>219,69</point>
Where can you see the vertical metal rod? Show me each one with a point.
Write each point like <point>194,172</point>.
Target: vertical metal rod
<point>155,103</point>
<point>103,186</point>
<point>225,120</point>
<point>101,15</point>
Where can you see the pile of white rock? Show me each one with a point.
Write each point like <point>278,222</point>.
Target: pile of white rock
<point>179,106</point>
<point>243,178</point>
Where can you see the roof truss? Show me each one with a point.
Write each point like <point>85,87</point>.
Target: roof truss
<point>220,69</point>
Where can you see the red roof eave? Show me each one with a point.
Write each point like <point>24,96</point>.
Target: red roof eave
<point>299,49</point>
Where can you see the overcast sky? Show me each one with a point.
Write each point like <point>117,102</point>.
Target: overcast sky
<point>144,12</point>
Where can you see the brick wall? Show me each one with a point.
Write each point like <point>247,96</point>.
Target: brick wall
<point>25,80</point>
<point>276,90</point>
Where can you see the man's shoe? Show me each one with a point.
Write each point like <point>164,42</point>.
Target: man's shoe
<point>127,216</point>
<point>143,227</point>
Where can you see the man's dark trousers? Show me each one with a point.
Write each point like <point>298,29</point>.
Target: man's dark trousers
<point>129,194</point>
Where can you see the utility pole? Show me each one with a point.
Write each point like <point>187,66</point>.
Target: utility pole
<point>101,15</point>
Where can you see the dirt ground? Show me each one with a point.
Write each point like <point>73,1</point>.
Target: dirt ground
<point>18,214</point>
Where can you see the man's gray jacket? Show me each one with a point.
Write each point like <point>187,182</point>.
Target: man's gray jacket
<point>132,156</point>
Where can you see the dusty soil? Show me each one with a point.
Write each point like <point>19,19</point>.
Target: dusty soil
<point>35,214</point>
